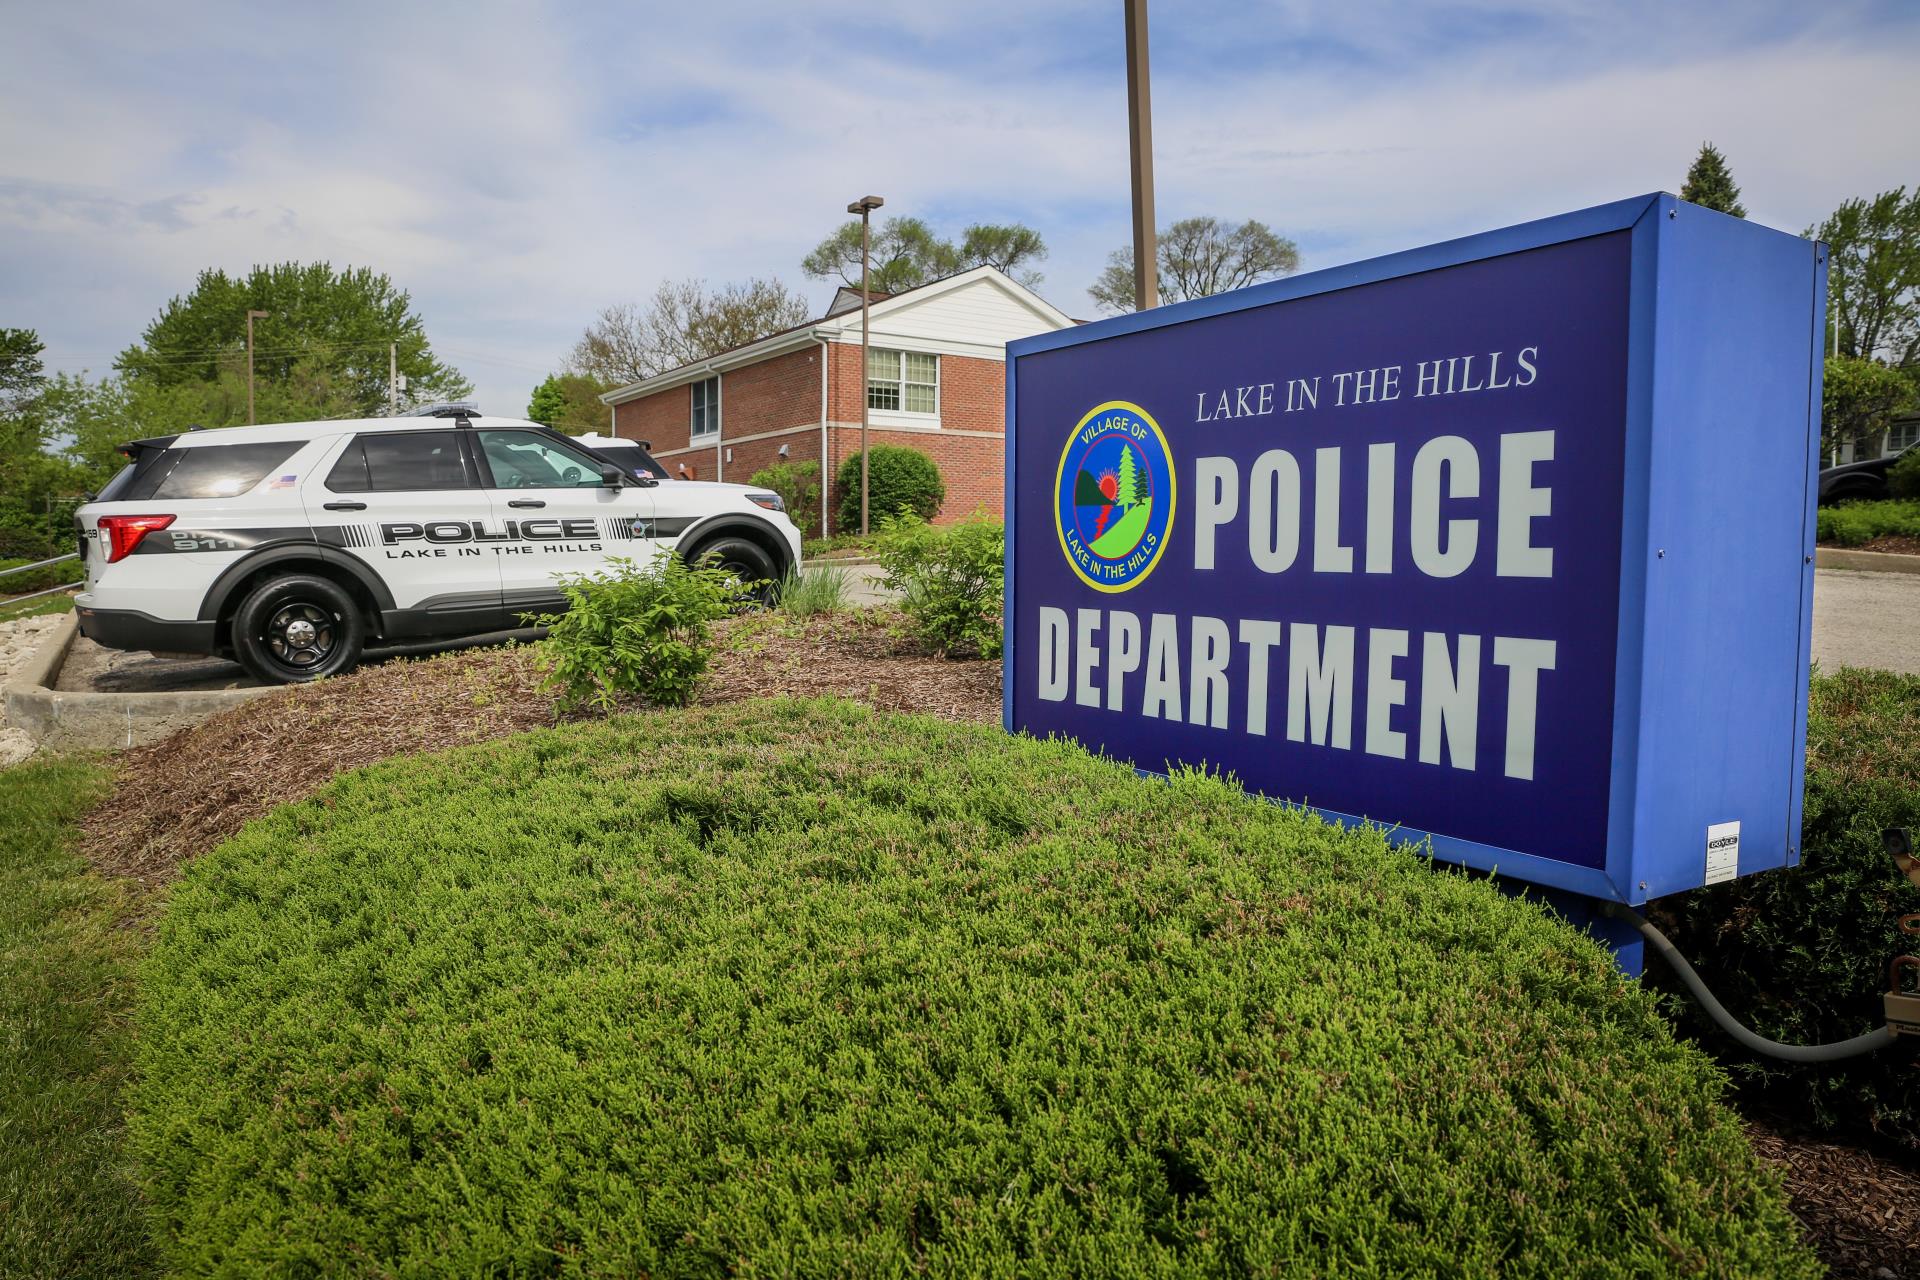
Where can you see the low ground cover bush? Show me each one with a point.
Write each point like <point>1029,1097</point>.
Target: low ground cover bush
<point>1855,523</point>
<point>800,988</point>
<point>634,629</point>
<point>67,1206</point>
<point>1801,955</point>
<point>898,479</point>
<point>952,580</point>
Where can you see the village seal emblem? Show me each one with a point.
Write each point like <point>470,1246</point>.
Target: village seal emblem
<point>1113,496</point>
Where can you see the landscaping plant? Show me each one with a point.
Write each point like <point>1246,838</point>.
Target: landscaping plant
<point>1903,477</point>
<point>798,988</point>
<point>898,479</point>
<point>1801,955</point>
<point>817,589</point>
<point>634,629</point>
<point>798,484</point>
<point>952,581</point>
<point>1855,523</point>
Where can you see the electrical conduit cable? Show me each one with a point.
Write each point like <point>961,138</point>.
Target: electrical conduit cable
<point>1879,1038</point>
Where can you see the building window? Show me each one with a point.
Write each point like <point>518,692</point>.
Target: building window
<point>706,408</point>
<point>903,380</point>
<point>1903,434</point>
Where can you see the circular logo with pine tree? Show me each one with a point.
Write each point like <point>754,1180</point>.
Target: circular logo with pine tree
<point>1113,496</point>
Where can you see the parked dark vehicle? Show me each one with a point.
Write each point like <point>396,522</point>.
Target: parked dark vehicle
<point>1859,481</point>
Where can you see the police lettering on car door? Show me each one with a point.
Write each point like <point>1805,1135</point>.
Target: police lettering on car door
<point>415,540</point>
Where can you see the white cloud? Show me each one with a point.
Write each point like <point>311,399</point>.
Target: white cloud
<point>518,168</point>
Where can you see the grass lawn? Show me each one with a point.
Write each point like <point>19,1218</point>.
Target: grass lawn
<point>67,1204</point>
<point>786,987</point>
<point>36,608</point>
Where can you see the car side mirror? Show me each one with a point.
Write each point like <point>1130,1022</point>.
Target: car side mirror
<point>611,476</point>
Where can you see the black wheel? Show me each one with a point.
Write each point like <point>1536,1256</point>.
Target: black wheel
<point>745,560</point>
<point>298,628</point>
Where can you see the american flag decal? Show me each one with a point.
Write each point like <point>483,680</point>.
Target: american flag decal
<point>282,482</point>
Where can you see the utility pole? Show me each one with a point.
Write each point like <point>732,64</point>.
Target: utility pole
<point>1146,278</point>
<point>864,206</point>
<point>251,317</point>
<point>393,379</point>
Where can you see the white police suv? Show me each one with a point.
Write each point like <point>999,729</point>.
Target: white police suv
<point>291,547</point>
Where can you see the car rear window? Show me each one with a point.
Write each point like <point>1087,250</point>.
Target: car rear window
<point>404,461</point>
<point>207,471</point>
<point>635,459</point>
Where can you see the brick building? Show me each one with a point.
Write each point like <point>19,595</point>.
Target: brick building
<point>936,383</point>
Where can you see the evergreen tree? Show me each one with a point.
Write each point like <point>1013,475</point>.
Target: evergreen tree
<point>1128,493</point>
<point>1710,183</point>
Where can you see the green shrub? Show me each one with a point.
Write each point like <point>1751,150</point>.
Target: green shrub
<point>952,581</point>
<point>798,484</point>
<point>55,575</point>
<point>798,988</point>
<point>817,589</point>
<point>634,629</point>
<point>1801,955</point>
<point>1860,522</point>
<point>898,479</point>
<point>1903,477</point>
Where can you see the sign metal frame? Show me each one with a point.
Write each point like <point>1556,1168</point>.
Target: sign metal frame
<point>1722,316</point>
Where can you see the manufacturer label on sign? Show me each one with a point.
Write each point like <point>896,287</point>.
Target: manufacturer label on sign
<point>1723,852</point>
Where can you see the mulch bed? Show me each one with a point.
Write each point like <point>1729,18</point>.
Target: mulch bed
<point>184,795</point>
<point>1899,544</point>
<point>1861,1211</point>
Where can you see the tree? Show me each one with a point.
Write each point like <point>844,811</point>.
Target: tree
<point>325,324</point>
<point>1873,276</point>
<point>1199,257</point>
<point>1128,492</point>
<point>21,370</point>
<point>906,253</point>
<point>684,322</point>
<point>1710,183</point>
<point>1857,399</point>
<point>569,402</point>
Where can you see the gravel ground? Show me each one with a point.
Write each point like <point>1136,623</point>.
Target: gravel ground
<point>19,638</point>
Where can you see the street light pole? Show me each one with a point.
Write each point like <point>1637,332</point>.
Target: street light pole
<point>864,206</point>
<point>1146,282</point>
<point>251,317</point>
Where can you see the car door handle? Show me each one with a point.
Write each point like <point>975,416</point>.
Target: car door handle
<point>525,502</point>
<point>344,506</point>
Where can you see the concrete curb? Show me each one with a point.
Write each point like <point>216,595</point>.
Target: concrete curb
<point>1864,561</point>
<point>64,721</point>
<point>842,562</point>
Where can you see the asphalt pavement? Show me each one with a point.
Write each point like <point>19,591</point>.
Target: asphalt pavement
<point>1866,620</point>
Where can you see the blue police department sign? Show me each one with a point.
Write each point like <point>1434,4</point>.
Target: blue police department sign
<point>1114,496</point>
<point>1438,540</point>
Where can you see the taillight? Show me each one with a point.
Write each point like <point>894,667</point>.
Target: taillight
<point>124,533</point>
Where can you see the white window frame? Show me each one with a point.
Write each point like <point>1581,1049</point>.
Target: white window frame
<point>918,415</point>
<point>1902,434</point>
<point>712,433</point>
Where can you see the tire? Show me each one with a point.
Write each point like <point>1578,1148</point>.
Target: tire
<point>296,628</point>
<point>744,559</point>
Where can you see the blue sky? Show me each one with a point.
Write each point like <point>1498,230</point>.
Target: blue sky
<point>518,167</point>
